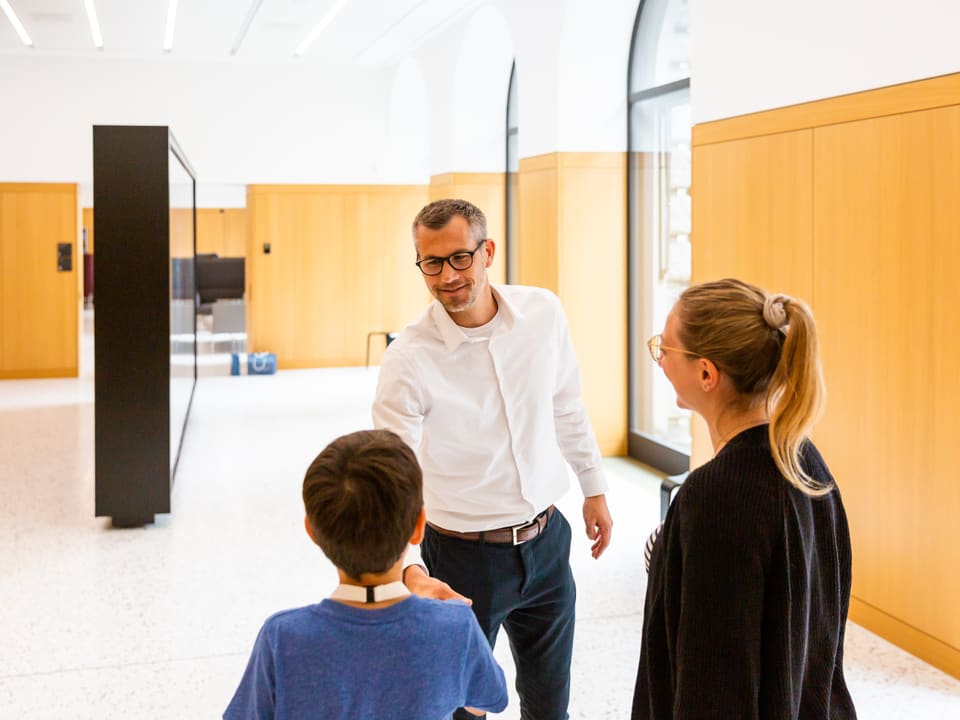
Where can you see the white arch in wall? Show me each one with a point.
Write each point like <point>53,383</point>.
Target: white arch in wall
<point>593,53</point>
<point>478,106</point>
<point>406,157</point>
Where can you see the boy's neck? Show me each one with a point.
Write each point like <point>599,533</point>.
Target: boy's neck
<point>394,574</point>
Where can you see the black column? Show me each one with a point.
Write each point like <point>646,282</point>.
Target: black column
<point>131,211</point>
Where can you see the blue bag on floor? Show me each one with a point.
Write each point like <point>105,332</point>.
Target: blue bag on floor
<point>261,363</point>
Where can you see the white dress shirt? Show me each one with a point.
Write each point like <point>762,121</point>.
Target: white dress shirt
<point>491,412</point>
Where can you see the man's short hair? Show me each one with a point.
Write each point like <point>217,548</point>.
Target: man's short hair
<point>440,212</point>
<point>363,495</point>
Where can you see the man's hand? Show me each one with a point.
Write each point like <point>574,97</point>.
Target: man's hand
<point>599,524</point>
<point>419,583</point>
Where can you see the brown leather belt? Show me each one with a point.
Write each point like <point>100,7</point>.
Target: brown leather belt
<point>516,535</point>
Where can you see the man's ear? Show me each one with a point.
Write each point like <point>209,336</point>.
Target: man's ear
<point>306,526</point>
<point>418,529</point>
<point>490,247</point>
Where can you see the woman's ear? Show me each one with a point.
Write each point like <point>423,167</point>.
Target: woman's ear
<point>306,526</point>
<point>709,374</point>
<point>418,529</point>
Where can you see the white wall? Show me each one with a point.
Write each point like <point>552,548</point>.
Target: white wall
<point>751,55</point>
<point>237,122</point>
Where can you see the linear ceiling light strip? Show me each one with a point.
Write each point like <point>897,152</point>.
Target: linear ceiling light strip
<point>327,19</point>
<point>15,21</point>
<point>247,22</point>
<point>171,24</point>
<point>94,23</point>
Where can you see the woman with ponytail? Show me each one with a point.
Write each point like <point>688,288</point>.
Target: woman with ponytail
<point>749,580</point>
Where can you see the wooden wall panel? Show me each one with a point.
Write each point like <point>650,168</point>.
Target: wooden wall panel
<point>40,308</point>
<point>592,280</point>
<point>887,238</point>
<point>573,242</point>
<point>181,232</point>
<point>539,215</point>
<point>341,265</point>
<point>876,254</point>
<point>487,192</point>
<point>222,231</point>
<point>752,219</point>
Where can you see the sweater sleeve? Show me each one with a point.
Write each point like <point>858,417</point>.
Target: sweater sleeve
<point>718,560</point>
<point>484,685</point>
<point>255,698</point>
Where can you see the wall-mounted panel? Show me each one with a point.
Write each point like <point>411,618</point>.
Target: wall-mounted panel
<point>887,243</point>
<point>573,242</point>
<point>326,264</point>
<point>41,274</point>
<point>852,204</point>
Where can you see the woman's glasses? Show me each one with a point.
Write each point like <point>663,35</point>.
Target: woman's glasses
<point>656,347</point>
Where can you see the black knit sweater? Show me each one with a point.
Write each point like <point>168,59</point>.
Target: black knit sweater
<point>748,594</point>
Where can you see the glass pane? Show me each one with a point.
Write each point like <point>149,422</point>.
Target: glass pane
<point>182,302</point>
<point>660,240</point>
<point>661,50</point>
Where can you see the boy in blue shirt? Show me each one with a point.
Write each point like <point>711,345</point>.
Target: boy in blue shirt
<point>372,650</point>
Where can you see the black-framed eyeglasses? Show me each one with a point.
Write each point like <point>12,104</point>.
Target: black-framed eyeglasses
<point>461,260</point>
<point>656,347</point>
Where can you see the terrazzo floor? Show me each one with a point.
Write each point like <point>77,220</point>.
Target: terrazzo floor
<point>157,622</point>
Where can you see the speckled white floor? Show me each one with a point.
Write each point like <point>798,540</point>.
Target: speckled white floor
<point>157,622</point>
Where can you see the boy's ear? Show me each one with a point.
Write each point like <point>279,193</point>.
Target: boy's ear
<point>306,526</point>
<point>418,529</point>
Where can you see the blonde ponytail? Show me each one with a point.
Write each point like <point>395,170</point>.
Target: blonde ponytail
<point>796,396</point>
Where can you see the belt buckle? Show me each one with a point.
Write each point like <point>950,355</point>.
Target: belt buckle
<point>517,528</point>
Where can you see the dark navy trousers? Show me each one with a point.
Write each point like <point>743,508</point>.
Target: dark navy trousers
<point>529,590</point>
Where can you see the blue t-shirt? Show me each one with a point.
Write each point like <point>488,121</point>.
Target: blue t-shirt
<point>418,659</point>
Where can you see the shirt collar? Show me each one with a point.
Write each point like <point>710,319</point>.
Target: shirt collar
<point>451,334</point>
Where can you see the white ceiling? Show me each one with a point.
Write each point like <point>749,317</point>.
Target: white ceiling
<point>367,32</point>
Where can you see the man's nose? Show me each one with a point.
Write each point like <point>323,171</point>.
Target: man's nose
<point>448,273</point>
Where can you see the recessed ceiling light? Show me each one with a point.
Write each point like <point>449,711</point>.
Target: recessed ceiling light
<point>15,21</point>
<point>94,23</point>
<point>327,19</point>
<point>171,23</point>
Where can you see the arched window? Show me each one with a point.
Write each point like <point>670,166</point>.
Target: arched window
<point>658,208</point>
<point>512,224</point>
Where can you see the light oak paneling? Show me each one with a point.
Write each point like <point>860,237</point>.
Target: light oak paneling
<point>486,191</point>
<point>341,265</point>
<point>539,215</point>
<point>887,242</point>
<point>219,231</point>
<point>181,232</point>
<point>752,219</point>
<point>573,242</point>
<point>40,308</point>
<point>874,247</point>
<point>593,285</point>
<point>222,231</point>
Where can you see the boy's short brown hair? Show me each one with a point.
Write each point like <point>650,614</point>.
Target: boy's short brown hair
<point>363,495</point>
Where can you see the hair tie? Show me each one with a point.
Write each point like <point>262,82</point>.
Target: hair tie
<point>774,312</point>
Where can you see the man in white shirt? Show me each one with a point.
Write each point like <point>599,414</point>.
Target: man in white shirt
<point>485,387</point>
